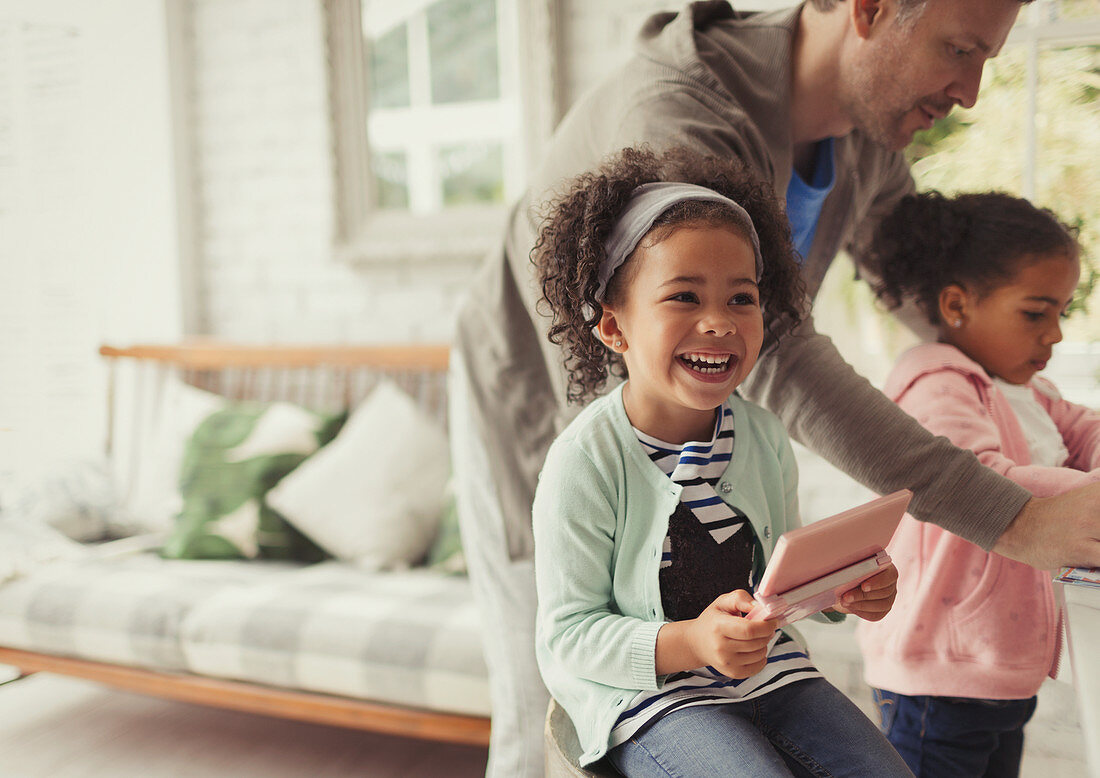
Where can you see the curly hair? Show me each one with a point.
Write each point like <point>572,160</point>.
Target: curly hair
<point>979,240</point>
<point>570,248</point>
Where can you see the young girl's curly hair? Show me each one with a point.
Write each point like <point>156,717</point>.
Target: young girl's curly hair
<point>570,248</point>
<point>978,241</point>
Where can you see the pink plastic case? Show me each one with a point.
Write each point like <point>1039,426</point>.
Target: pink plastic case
<point>813,565</point>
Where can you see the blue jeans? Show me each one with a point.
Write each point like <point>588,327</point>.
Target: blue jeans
<point>808,728</point>
<point>956,737</point>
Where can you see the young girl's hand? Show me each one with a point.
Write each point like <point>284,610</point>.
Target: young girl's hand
<point>720,637</point>
<point>873,598</point>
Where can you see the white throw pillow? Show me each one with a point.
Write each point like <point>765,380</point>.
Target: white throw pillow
<point>76,497</point>
<point>374,495</point>
<point>27,545</point>
<point>155,421</point>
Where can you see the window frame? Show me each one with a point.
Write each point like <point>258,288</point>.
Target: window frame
<point>367,234</point>
<point>1036,30</point>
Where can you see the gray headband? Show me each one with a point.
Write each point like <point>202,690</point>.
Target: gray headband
<point>646,204</point>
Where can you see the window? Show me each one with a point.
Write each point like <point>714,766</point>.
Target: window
<point>437,118</point>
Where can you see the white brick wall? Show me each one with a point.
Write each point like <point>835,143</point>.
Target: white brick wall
<point>88,243</point>
<point>265,194</point>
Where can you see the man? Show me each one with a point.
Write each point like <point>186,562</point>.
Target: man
<point>819,100</point>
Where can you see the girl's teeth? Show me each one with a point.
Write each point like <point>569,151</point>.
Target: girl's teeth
<point>706,364</point>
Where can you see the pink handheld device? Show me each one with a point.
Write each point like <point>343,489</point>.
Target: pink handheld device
<point>813,565</point>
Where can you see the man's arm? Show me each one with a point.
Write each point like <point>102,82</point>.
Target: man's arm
<point>831,409</point>
<point>1053,531</point>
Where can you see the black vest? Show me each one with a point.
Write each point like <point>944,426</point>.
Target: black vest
<point>702,569</point>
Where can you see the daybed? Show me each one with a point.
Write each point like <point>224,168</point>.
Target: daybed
<point>350,640</point>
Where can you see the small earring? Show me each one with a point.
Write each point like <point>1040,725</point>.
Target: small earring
<point>957,323</point>
<point>618,344</point>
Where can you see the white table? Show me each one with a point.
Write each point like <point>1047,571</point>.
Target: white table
<point>1083,630</point>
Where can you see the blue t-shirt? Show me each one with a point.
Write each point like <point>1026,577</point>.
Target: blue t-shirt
<point>804,199</point>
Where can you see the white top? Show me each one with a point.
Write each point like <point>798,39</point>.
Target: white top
<point>1044,441</point>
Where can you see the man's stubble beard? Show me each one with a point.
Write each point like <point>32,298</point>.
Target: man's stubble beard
<point>867,104</point>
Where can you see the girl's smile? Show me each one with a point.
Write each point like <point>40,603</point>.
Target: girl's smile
<point>715,368</point>
<point>689,326</point>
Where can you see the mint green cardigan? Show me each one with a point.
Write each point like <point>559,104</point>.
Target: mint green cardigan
<point>600,518</point>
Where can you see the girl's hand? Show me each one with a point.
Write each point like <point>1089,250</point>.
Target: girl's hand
<point>873,598</point>
<point>722,638</point>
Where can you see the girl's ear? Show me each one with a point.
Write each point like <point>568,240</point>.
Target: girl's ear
<point>611,335</point>
<point>954,302</point>
<point>864,14</point>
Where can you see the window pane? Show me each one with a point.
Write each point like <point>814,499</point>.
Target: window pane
<point>984,147</point>
<point>462,36</point>
<point>389,69</point>
<point>472,173</point>
<point>1068,124</point>
<point>1076,9</point>
<point>391,179</point>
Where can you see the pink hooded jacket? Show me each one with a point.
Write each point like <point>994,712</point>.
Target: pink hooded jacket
<point>966,622</point>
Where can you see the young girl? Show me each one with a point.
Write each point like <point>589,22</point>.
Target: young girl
<point>957,664</point>
<point>659,504</point>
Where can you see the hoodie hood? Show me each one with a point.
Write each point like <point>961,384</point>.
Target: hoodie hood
<point>715,51</point>
<point>930,358</point>
<point>679,38</point>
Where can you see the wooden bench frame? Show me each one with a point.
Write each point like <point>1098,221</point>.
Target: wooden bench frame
<point>315,708</point>
<point>385,718</point>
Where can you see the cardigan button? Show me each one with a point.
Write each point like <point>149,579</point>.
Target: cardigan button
<point>726,487</point>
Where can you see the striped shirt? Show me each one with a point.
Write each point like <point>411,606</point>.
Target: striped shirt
<point>698,467</point>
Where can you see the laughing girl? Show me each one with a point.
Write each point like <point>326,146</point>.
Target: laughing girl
<point>659,505</point>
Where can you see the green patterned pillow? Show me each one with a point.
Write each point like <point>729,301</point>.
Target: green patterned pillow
<point>231,461</point>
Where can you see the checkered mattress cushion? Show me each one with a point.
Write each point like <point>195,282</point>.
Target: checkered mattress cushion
<point>409,637</point>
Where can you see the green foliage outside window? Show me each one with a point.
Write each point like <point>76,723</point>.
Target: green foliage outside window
<point>391,179</point>
<point>472,174</point>
<point>464,58</point>
<point>389,69</point>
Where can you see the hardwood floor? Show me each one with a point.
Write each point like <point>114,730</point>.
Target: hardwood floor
<point>53,727</point>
